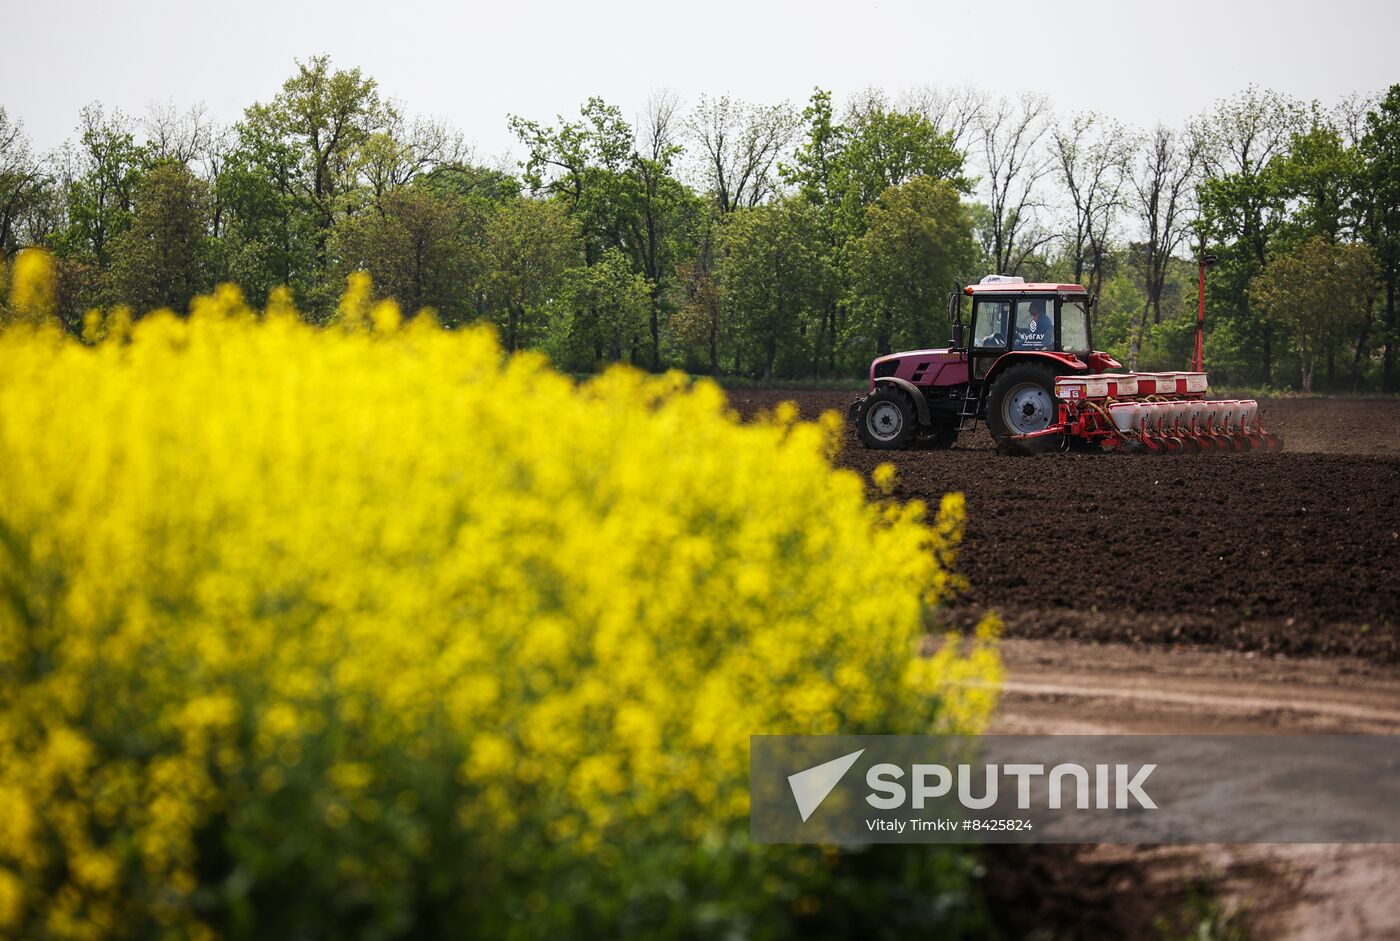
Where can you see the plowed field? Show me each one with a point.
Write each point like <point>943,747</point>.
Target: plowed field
<point>1295,553</point>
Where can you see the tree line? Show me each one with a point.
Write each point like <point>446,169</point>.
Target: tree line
<point>734,238</point>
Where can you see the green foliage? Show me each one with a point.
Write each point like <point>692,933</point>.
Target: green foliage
<point>891,148</point>
<point>882,282</point>
<point>421,247</point>
<point>844,168</point>
<point>1120,304</point>
<point>624,196</point>
<point>916,242</point>
<point>165,257</point>
<point>1320,294</point>
<point>815,167</point>
<point>530,245</point>
<point>23,181</point>
<point>270,227</point>
<point>1322,178</point>
<point>102,190</point>
<point>776,278</point>
<point>603,313</point>
<point>1381,149</point>
<point>327,116</point>
<point>1280,177</point>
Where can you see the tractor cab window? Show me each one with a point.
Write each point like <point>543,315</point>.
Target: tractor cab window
<point>1035,328</point>
<point>1074,327</point>
<point>989,324</point>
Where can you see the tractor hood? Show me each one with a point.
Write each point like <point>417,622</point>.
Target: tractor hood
<point>922,367</point>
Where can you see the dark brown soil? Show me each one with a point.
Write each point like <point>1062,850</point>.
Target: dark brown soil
<point>1053,892</point>
<point>1295,553</point>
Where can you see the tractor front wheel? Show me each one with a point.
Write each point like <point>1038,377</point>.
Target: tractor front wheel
<point>1022,401</point>
<point>886,420</point>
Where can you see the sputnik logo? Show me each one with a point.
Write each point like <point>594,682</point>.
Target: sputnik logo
<point>810,787</point>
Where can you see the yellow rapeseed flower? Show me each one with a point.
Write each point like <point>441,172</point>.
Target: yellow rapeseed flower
<point>32,287</point>
<point>401,594</point>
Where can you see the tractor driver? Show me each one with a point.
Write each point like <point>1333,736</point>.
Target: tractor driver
<point>1037,332</point>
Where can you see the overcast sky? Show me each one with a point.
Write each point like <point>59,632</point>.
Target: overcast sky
<point>474,63</point>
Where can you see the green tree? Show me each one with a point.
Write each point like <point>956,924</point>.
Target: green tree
<point>530,245</point>
<point>621,188</point>
<point>581,163</point>
<point>164,258</point>
<point>815,168</point>
<point>1324,181</point>
<point>1317,294</point>
<point>1244,206</point>
<point>309,139</point>
<point>22,180</point>
<point>850,165</point>
<point>269,223</point>
<point>1381,150</point>
<point>422,247</point>
<point>886,148</point>
<point>816,172</point>
<point>607,310</point>
<point>841,169</point>
<point>917,241</point>
<point>104,171</point>
<point>776,281</point>
<point>1322,178</point>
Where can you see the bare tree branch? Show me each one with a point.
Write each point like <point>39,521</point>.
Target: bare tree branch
<point>1015,164</point>
<point>1091,157</point>
<point>957,112</point>
<point>1163,187</point>
<point>742,145</point>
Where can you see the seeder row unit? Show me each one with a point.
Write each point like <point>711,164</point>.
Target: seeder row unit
<point>1159,413</point>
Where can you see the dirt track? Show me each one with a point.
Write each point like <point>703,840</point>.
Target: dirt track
<point>1234,594</point>
<point>1285,891</point>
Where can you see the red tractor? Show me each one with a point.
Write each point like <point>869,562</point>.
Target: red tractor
<point>1027,368</point>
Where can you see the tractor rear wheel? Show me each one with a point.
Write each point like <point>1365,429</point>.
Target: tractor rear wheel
<point>1022,401</point>
<point>886,420</point>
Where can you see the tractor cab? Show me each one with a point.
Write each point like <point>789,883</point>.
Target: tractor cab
<point>1010,316</point>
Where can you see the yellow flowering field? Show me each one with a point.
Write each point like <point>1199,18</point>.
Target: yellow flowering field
<point>369,630</point>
